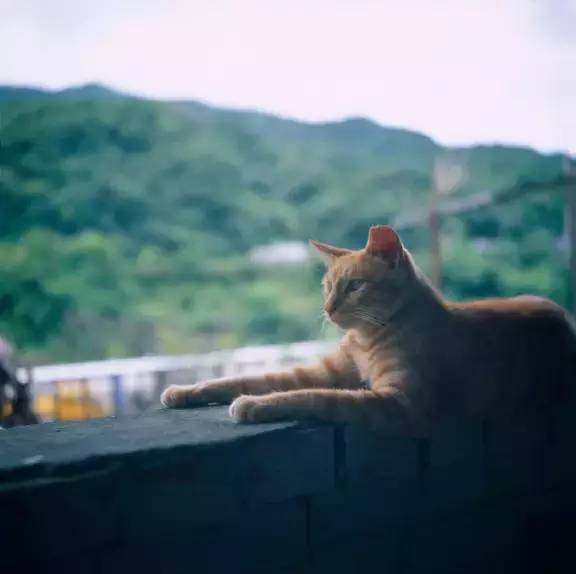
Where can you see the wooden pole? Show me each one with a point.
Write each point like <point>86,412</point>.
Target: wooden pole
<point>435,245</point>
<point>570,230</point>
<point>434,227</point>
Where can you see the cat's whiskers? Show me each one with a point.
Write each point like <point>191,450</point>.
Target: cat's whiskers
<point>365,316</point>
<point>368,315</point>
<point>325,323</point>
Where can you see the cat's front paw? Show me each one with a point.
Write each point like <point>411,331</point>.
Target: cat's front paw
<point>246,409</point>
<point>171,397</point>
<point>178,396</point>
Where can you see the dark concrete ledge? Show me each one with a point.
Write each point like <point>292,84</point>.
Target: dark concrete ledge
<point>153,438</point>
<point>190,490</point>
<point>103,489</point>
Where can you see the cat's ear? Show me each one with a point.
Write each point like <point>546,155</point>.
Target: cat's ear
<point>383,242</point>
<point>329,252</point>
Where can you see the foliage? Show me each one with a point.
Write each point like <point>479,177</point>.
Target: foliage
<point>125,225</point>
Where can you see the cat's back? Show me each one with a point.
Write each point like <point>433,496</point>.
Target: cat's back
<point>527,315</point>
<point>526,340</point>
<point>513,320</point>
<point>512,308</point>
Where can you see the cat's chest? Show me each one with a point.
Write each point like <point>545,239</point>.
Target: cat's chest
<point>362,363</point>
<point>374,360</point>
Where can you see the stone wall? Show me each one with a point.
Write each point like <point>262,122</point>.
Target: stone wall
<point>190,491</point>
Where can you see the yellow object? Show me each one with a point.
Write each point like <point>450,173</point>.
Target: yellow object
<point>71,401</point>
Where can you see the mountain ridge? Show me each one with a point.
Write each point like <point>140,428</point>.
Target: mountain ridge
<point>253,116</point>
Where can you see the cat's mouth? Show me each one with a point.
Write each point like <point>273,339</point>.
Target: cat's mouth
<point>341,320</point>
<point>359,320</point>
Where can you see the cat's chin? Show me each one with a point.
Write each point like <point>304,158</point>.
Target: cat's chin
<point>355,324</point>
<point>344,322</point>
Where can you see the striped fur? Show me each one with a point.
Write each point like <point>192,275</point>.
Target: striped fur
<point>425,358</point>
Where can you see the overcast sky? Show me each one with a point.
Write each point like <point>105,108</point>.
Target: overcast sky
<point>462,71</point>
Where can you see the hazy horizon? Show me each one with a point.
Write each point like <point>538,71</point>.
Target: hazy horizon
<point>461,73</point>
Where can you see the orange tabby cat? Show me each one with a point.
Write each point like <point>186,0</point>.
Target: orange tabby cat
<point>423,358</point>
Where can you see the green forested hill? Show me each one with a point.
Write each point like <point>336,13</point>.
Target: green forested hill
<point>125,224</point>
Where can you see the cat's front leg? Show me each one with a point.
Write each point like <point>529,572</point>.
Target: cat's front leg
<point>221,391</point>
<point>377,410</point>
<point>330,371</point>
<point>226,389</point>
<point>320,404</point>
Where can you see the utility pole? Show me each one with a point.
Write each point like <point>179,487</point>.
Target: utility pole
<point>434,233</point>
<point>447,174</point>
<point>570,230</point>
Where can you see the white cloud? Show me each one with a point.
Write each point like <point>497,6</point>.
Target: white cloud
<point>461,71</point>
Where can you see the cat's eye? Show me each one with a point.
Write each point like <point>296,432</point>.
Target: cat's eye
<point>354,285</point>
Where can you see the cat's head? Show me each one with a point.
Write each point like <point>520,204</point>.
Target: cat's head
<point>366,287</point>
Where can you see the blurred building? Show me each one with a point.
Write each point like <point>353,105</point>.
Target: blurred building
<point>280,253</point>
